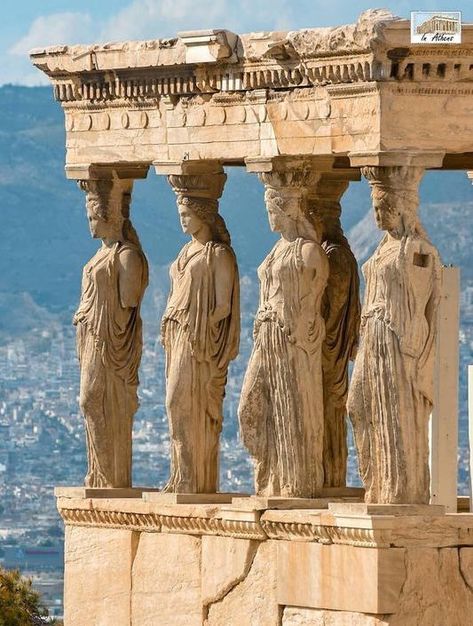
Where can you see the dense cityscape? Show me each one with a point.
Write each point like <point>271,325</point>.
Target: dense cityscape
<point>42,442</point>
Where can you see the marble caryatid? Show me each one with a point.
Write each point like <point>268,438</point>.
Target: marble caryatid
<point>281,408</point>
<point>390,397</point>
<point>341,312</point>
<point>109,334</point>
<point>200,334</point>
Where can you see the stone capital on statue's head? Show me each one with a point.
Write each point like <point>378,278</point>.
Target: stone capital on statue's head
<point>198,185</point>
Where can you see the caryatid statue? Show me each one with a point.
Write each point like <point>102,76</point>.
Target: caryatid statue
<point>281,407</point>
<point>390,397</point>
<point>341,312</point>
<point>200,332</point>
<point>109,333</point>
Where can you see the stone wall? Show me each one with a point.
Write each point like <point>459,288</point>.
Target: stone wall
<point>149,564</point>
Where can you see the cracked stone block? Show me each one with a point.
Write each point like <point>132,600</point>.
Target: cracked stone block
<point>466,566</point>
<point>97,579</point>
<point>166,588</point>
<point>252,602</point>
<point>435,592</point>
<point>328,577</point>
<point>225,563</point>
<point>294,616</point>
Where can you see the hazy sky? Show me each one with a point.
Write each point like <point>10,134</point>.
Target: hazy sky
<point>26,24</point>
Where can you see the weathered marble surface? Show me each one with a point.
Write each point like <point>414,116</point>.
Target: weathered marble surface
<point>332,574</point>
<point>446,599</point>
<point>97,578</point>
<point>341,313</point>
<point>391,391</point>
<point>109,335</point>
<point>226,562</point>
<point>165,580</point>
<point>200,333</point>
<point>281,405</point>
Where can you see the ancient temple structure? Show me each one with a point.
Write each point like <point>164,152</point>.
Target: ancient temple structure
<point>308,111</point>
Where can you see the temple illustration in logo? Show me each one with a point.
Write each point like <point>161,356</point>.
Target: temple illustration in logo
<point>436,27</point>
<point>439,24</point>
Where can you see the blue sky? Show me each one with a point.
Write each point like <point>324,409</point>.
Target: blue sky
<point>26,24</point>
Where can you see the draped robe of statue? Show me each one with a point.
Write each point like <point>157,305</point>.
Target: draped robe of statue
<point>281,409</point>
<point>390,397</point>
<point>109,346</point>
<point>198,353</point>
<point>341,312</point>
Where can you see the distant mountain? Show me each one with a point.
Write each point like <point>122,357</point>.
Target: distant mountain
<point>45,239</point>
<point>19,314</point>
<point>449,226</point>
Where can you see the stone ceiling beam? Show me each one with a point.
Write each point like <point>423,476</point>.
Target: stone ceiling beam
<point>393,158</point>
<point>191,167</point>
<point>107,171</point>
<point>260,165</point>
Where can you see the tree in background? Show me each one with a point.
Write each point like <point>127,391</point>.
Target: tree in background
<point>20,605</point>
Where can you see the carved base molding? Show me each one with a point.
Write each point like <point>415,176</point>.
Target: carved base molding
<point>147,563</point>
<point>156,523</point>
<point>344,525</point>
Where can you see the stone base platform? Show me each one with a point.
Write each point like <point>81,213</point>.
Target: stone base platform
<point>148,563</point>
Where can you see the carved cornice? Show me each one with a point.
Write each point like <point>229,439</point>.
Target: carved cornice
<point>353,90</point>
<point>375,49</point>
<point>147,85</point>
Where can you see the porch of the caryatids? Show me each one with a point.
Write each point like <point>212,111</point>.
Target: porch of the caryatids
<point>281,406</point>
<point>341,312</point>
<point>200,329</point>
<point>109,331</point>
<point>391,392</point>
